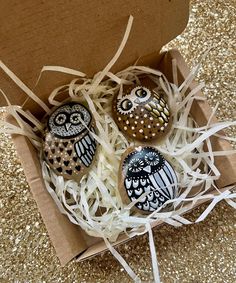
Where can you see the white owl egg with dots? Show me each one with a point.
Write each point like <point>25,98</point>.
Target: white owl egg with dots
<point>142,112</point>
<point>146,178</point>
<point>69,146</point>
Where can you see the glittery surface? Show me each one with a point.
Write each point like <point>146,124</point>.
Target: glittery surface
<point>203,252</point>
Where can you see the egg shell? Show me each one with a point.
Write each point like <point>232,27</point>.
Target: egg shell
<point>151,180</point>
<point>69,149</point>
<point>147,120</point>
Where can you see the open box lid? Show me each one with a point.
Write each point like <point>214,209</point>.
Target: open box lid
<point>82,35</point>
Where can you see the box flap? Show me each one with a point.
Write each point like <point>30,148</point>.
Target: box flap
<point>81,35</point>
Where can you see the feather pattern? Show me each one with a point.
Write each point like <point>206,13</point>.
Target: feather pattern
<point>85,149</point>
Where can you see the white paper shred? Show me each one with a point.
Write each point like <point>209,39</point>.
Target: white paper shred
<point>95,203</point>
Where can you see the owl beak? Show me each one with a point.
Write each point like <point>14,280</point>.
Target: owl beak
<point>67,126</point>
<point>147,169</point>
<point>137,100</point>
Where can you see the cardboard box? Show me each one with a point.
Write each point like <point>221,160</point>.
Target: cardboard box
<point>84,35</point>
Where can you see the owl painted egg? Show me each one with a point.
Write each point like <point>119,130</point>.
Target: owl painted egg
<point>69,146</point>
<point>142,112</point>
<point>144,170</point>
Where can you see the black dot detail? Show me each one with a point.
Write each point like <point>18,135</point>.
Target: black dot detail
<point>56,144</point>
<point>69,172</point>
<point>75,159</point>
<point>51,161</point>
<point>53,150</point>
<point>59,169</point>
<point>58,159</point>
<point>69,152</point>
<point>66,163</point>
<point>78,168</point>
<point>65,144</point>
<point>61,149</point>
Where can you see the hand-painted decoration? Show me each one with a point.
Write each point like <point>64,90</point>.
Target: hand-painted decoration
<point>142,113</point>
<point>145,171</point>
<point>69,147</point>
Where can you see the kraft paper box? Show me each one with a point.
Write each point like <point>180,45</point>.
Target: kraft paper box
<point>84,35</point>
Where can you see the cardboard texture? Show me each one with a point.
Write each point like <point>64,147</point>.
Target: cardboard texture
<point>55,33</point>
<point>84,35</point>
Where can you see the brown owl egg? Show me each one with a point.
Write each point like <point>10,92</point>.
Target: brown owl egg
<point>142,113</point>
<point>145,172</point>
<point>68,145</point>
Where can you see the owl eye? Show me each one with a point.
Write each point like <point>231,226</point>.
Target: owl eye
<point>152,158</point>
<point>76,118</point>
<point>60,119</point>
<point>126,105</point>
<point>136,165</point>
<point>141,92</point>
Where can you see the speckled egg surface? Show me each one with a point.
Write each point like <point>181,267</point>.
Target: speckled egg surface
<point>145,170</point>
<point>142,112</point>
<point>68,146</point>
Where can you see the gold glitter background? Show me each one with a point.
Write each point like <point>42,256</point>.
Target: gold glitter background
<point>203,252</point>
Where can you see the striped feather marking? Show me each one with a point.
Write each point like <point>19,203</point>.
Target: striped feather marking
<point>85,149</point>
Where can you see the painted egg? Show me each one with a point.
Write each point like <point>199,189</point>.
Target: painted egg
<point>144,171</point>
<point>142,112</point>
<point>68,145</point>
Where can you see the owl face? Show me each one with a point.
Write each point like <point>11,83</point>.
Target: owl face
<point>142,113</point>
<point>69,120</point>
<point>142,163</point>
<point>130,102</point>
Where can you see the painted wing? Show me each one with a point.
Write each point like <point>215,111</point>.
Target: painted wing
<point>165,181</point>
<point>85,149</point>
<point>158,108</point>
<point>136,187</point>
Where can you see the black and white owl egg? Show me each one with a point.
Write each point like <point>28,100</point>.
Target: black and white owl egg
<point>142,112</point>
<point>145,172</point>
<point>69,146</point>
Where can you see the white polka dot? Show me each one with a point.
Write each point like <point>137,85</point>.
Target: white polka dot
<point>135,122</point>
<point>136,117</point>
<point>131,115</point>
<point>132,127</point>
<point>145,115</point>
<point>146,137</point>
<point>141,130</point>
<point>166,124</point>
<point>119,119</point>
<point>158,124</point>
<point>142,122</point>
<point>134,135</point>
<point>142,109</point>
<point>149,126</point>
<point>127,122</point>
<point>162,128</point>
<point>153,134</point>
<point>151,118</point>
<point>125,128</point>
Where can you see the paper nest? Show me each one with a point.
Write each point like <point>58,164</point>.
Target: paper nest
<point>95,203</point>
